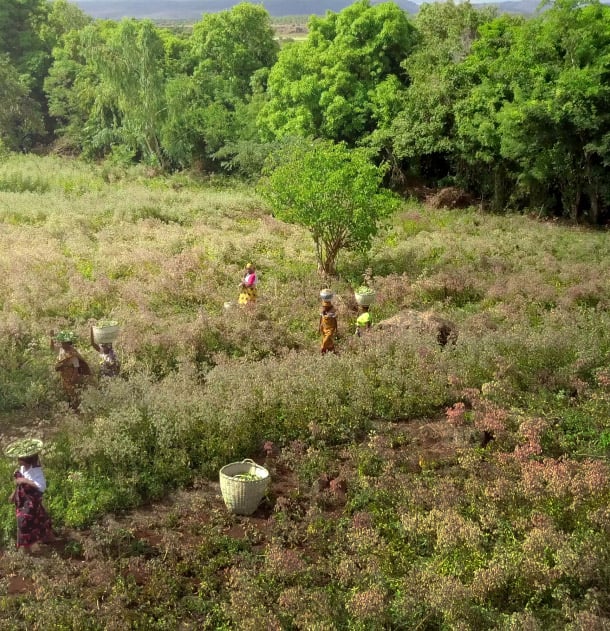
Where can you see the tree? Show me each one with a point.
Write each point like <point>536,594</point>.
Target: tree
<point>422,133</point>
<point>63,17</point>
<point>130,64</point>
<point>208,104</point>
<point>332,191</point>
<point>20,117</point>
<point>326,86</point>
<point>230,46</point>
<point>490,76</point>
<point>20,22</point>
<point>536,116</point>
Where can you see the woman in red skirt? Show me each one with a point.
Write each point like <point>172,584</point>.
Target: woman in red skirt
<point>33,521</point>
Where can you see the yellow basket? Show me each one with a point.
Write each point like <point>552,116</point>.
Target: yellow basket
<point>242,497</point>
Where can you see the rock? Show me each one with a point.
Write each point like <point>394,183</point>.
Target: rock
<point>450,197</point>
<point>424,322</point>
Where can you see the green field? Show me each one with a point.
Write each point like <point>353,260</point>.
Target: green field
<point>413,486</point>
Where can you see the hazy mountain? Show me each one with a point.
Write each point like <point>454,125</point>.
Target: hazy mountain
<point>193,9</point>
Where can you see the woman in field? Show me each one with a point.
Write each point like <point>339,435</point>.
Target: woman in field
<point>110,366</point>
<point>70,364</point>
<point>247,294</point>
<point>33,522</point>
<point>364,320</point>
<point>327,326</point>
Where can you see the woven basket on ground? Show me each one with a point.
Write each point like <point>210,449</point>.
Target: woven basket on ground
<point>242,496</point>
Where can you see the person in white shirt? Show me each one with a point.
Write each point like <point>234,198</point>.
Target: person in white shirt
<point>33,521</point>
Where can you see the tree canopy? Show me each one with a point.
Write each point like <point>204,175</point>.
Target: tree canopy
<point>510,108</point>
<point>327,86</point>
<point>334,192</point>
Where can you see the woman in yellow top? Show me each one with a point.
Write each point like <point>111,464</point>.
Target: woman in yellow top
<point>328,326</point>
<point>247,294</point>
<point>364,320</point>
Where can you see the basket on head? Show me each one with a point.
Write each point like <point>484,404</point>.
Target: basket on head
<point>326,294</point>
<point>24,448</point>
<point>365,299</point>
<point>65,336</point>
<point>105,332</point>
<point>243,495</point>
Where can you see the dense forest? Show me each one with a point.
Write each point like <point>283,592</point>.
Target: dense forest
<point>512,109</point>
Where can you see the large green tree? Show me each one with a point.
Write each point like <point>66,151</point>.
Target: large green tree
<point>130,64</point>
<point>333,191</point>
<point>335,84</point>
<point>29,29</point>
<point>211,104</point>
<point>538,113</point>
<point>421,134</point>
<point>20,39</point>
<point>20,23</point>
<point>20,116</point>
<point>490,75</point>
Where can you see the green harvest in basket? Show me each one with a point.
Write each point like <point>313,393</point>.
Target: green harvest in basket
<point>24,448</point>
<point>102,324</point>
<point>247,476</point>
<point>364,290</point>
<point>65,336</point>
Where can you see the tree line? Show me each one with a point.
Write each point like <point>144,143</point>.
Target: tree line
<point>512,109</point>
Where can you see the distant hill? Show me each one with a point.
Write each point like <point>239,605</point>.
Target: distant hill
<point>193,9</point>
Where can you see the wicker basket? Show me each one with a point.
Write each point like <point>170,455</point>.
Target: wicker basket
<point>105,334</point>
<point>365,300</point>
<point>243,496</point>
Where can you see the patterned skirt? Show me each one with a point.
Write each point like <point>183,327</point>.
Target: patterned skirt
<point>329,330</point>
<point>247,295</point>
<point>33,521</point>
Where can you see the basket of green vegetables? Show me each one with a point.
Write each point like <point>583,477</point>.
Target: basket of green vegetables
<point>243,485</point>
<point>364,295</point>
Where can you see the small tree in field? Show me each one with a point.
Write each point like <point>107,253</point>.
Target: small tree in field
<point>333,191</point>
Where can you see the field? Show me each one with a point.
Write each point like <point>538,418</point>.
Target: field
<point>414,486</point>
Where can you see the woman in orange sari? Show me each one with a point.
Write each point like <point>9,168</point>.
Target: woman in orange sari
<point>328,327</point>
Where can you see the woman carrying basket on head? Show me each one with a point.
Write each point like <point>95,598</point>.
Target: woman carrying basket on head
<point>70,364</point>
<point>328,327</point>
<point>247,294</point>
<point>364,320</point>
<point>110,366</point>
<point>33,521</point>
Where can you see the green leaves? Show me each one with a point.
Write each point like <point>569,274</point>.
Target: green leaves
<point>325,86</point>
<point>537,109</point>
<point>20,116</point>
<point>334,192</point>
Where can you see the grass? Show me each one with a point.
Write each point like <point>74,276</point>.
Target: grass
<point>385,507</point>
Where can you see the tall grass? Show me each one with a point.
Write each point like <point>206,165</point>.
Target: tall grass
<point>205,385</point>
